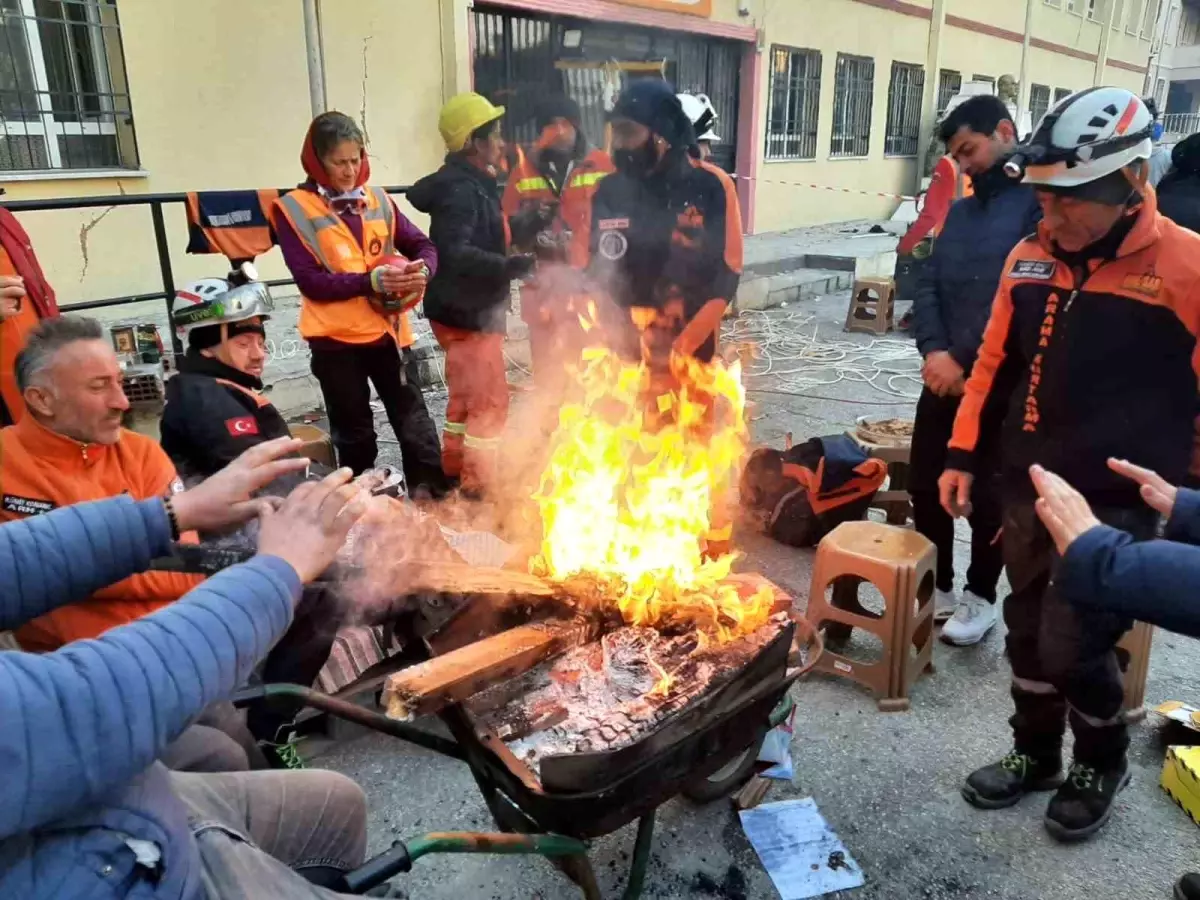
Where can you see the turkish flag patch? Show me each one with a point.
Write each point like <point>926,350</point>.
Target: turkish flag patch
<point>242,426</point>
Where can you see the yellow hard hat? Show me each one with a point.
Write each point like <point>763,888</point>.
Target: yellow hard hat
<point>462,114</point>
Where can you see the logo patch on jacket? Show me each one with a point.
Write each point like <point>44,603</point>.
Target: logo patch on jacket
<point>375,247</point>
<point>242,426</point>
<point>612,224</point>
<point>613,245</point>
<point>1147,285</point>
<point>1041,269</point>
<point>27,506</point>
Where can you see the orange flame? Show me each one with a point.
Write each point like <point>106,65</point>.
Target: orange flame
<point>627,497</point>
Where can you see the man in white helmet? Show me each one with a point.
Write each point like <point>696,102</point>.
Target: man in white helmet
<point>1092,347</point>
<point>703,116</point>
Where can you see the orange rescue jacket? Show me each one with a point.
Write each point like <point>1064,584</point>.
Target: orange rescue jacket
<point>40,471</point>
<point>13,333</point>
<point>334,246</point>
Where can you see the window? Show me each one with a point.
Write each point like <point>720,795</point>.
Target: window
<point>1054,3</point>
<point>1133,21</point>
<point>853,95</point>
<point>1039,102</point>
<point>986,78</point>
<point>795,100</point>
<point>949,84</point>
<point>1090,5</point>
<point>64,100</point>
<point>1059,95</point>
<point>1160,94</point>
<point>1150,21</point>
<point>1117,12</point>
<point>904,110</point>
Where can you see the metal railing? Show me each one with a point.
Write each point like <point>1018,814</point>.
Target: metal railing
<point>156,202</point>
<point>1180,125</point>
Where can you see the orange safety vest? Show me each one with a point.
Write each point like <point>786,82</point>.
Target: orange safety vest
<point>962,188</point>
<point>332,243</point>
<point>527,185</point>
<point>13,333</point>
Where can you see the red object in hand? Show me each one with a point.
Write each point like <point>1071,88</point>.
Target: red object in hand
<point>395,302</point>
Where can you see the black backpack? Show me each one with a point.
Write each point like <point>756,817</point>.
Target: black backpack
<point>803,493</point>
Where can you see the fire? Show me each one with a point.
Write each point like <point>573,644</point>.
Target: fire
<point>634,473</point>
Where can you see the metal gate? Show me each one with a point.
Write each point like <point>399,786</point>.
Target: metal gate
<point>519,58</point>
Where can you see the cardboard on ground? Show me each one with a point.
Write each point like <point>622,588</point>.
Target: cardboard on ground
<point>1181,713</point>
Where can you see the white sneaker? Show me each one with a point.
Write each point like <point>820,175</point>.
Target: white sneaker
<point>972,620</point>
<point>944,605</point>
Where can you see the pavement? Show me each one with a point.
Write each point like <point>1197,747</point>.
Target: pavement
<point>887,783</point>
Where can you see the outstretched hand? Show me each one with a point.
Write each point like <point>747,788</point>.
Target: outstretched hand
<point>1158,494</point>
<point>310,527</point>
<point>1061,508</point>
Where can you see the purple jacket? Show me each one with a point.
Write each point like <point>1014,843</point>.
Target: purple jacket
<point>318,284</point>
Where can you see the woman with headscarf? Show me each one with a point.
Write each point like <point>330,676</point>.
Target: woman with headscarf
<point>340,238</point>
<point>1179,191</point>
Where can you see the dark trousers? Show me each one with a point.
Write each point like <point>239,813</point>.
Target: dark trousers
<point>346,375</point>
<point>931,433</point>
<point>1063,660</point>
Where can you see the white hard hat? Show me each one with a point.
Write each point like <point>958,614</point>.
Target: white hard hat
<point>1085,137</point>
<point>700,111</point>
<point>217,301</point>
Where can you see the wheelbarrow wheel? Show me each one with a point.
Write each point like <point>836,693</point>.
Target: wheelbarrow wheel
<point>726,779</point>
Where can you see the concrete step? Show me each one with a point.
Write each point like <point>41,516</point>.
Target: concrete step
<point>767,291</point>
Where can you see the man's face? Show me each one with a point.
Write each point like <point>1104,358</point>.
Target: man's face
<point>342,164</point>
<point>79,395</point>
<point>1073,223</point>
<point>244,352</point>
<point>629,135</point>
<point>490,152</point>
<point>559,136</point>
<point>975,152</point>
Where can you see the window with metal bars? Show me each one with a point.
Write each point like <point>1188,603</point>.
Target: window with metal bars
<point>903,131</point>
<point>795,99</point>
<point>949,84</point>
<point>64,98</point>
<point>1039,102</point>
<point>853,97</point>
<point>1061,94</point>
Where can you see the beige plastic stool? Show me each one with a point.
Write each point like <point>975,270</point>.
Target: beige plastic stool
<point>900,564</point>
<point>876,297</point>
<point>1137,644</point>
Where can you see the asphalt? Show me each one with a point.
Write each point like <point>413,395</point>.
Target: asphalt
<point>887,783</point>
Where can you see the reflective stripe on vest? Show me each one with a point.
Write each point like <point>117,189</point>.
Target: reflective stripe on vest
<point>528,185</point>
<point>333,245</point>
<point>587,179</point>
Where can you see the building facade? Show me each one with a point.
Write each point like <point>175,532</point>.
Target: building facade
<point>106,97</point>
<point>1174,73</point>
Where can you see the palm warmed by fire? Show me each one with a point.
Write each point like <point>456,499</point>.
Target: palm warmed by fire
<point>635,470</point>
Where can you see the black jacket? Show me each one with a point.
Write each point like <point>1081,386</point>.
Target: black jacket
<point>958,282</point>
<point>677,235</point>
<point>207,424</point>
<point>471,287</point>
<point>1179,199</point>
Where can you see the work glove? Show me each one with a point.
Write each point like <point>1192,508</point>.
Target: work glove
<point>519,266</point>
<point>529,220</point>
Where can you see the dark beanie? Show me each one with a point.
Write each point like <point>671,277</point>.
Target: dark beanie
<point>651,102</point>
<point>1186,155</point>
<point>558,106</point>
<point>210,335</point>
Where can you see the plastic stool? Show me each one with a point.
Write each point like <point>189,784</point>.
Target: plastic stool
<point>900,564</point>
<point>1136,643</point>
<point>876,298</point>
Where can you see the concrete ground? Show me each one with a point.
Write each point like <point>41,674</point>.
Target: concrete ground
<point>887,783</point>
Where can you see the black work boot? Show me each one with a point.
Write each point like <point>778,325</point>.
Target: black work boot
<point>1003,784</point>
<point>1085,801</point>
<point>1188,887</point>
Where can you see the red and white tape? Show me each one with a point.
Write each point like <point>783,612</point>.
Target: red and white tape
<point>825,187</point>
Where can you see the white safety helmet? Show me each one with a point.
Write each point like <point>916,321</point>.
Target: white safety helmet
<point>1085,137</point>
<point>703,116</point>
<point>218,301</point>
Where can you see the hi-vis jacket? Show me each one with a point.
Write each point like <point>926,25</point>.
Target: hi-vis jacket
<point>42,471</point>
<point>671,243</point>
<point>1096,362</point>
<point>333,244</point>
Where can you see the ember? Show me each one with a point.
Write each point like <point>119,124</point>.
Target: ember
<point>627,497</point>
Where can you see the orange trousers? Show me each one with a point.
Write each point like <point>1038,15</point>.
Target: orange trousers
<point>478,406</point>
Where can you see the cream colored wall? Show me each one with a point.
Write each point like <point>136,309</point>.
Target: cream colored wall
<point>220,100</point>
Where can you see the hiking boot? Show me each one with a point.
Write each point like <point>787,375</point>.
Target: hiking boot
<point>1085,801</point>
<point>971,622</point>
<point>1188,887</point>
<point>284,755</point>
<point>1003,784</point>
<point>945,603</point>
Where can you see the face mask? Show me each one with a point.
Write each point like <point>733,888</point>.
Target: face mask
<point>637,163</point>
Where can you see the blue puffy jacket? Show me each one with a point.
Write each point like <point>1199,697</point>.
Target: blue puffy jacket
<point>1153,581</point>
<point>81,728</point>
<point>958,282</point>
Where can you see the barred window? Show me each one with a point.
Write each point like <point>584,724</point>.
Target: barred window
<point>853,97</point>
<point>949,84</point>
<point>904,110</point>
<point>795,100</point>
<point>1039,102</point>
<point>64,98</point>
<point>1061,94</point>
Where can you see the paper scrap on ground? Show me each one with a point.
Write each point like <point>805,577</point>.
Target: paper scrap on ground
<point>799,850</point>
<point>777,749</point>
<point>1182,713</point>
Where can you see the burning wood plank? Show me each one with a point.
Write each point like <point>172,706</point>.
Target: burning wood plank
<point>436,683</point>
